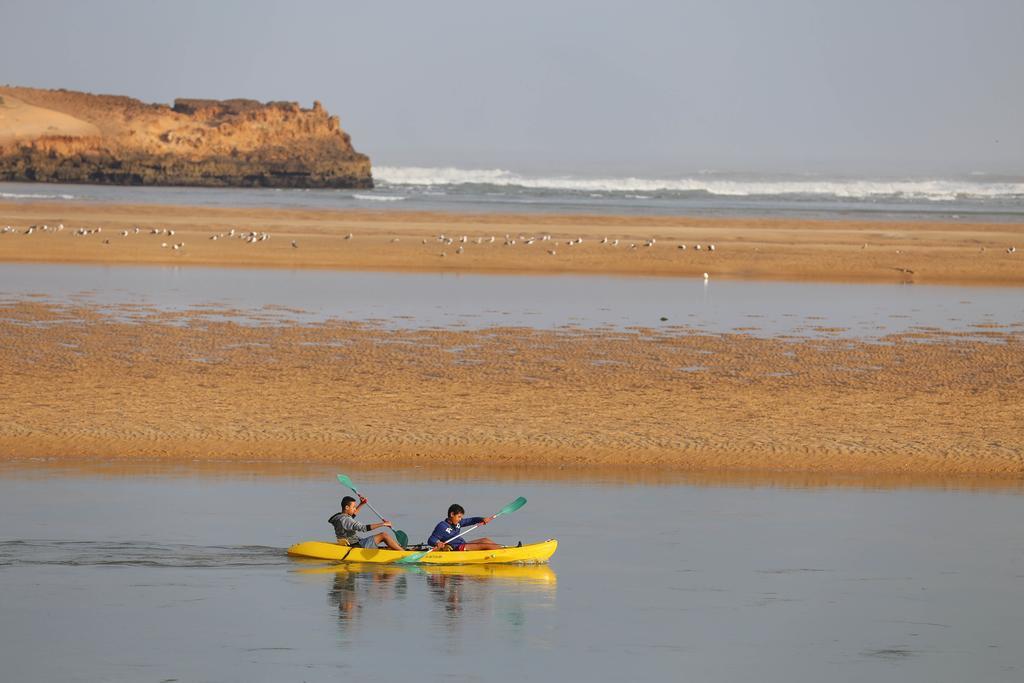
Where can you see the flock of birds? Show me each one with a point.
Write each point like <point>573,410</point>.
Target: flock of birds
<point>547,240</point>
<point>248,237</point>
<point>553,242</point>
<point>462,242</point>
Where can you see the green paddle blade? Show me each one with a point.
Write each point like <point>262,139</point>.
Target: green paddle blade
<point>402,538</point>
<point>345,481</point>
<point>513,506</point>
<point>409,559</point>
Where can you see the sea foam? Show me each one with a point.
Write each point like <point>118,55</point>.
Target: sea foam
<point>935,189</point>
<point>378,198</point>
<point>34,195</point>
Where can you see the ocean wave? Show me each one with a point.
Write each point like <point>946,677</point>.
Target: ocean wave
<point>34,195</point>
<point>378,198</point>
<point>921,189</point>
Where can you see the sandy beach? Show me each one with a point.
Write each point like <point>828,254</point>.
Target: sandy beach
<point>138,383</point>
<point>142,383</point>
<point>757,248</point>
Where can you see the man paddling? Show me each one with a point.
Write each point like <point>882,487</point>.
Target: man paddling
<point>451,526</point>
<point>346,528</point>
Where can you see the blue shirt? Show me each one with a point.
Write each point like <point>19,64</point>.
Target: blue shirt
<point>445,530</point>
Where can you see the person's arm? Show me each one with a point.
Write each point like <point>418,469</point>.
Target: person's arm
<point>350,524</point>
<point>362,502</point>
<point>476,520</point>
<point>435,539</point>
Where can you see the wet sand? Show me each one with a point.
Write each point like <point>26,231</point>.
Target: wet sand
<point>782,249</point>
<point>138,383</point>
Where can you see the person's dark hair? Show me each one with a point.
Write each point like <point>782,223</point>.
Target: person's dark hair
<point>455,509</point>
<point>346,500</point>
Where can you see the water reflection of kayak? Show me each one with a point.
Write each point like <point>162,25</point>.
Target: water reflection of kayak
<point>319,550</point>
<point>530,573</point>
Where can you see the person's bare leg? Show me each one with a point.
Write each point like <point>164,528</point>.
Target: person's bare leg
<point>387,540</point>
<point>482,544</point>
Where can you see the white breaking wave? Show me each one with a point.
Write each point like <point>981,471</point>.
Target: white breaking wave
<point>32,195</point>
<point>928,189</point>
<point>378,198</point>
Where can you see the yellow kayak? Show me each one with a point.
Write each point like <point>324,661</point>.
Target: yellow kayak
<point>527,554</point>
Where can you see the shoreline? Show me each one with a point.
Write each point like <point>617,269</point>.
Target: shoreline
<point>882,251</point>
<point>210,468</point>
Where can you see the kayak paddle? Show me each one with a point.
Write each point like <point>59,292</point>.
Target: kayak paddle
<point>400,536</point>
<point>416,557</point>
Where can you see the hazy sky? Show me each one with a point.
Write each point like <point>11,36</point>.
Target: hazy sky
<point>645,88</point>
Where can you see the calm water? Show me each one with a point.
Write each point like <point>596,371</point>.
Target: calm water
<point>184,577</point>
<point>444,300</point>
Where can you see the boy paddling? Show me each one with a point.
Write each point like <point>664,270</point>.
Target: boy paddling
<point>346,528</point>
<point>451,526</point>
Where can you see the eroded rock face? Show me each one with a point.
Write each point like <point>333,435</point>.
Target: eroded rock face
<point>72,137</point>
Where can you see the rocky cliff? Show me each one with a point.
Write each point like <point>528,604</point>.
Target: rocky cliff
<point>72,137</point>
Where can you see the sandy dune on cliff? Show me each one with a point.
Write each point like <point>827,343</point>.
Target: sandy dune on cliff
<point>22,121</point>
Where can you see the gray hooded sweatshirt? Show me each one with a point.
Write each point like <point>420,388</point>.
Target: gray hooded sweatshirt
<point>346,527</point>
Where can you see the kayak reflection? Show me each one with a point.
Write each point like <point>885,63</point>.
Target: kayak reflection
<point>452,589</point>
<point>349,588</point>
